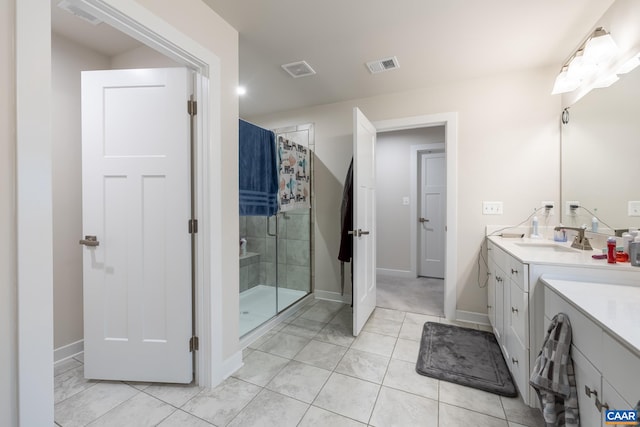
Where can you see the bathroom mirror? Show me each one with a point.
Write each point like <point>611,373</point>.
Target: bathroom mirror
<point>601,156</point>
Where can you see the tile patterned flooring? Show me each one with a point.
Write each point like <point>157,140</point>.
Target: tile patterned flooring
<point>309,371</point>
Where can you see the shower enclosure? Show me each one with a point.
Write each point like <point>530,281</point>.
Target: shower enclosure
<point>276,270</point>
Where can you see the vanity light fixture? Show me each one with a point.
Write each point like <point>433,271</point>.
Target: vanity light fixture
<point>588,65</point>
<point>241,90</point>
<point>630,65</point>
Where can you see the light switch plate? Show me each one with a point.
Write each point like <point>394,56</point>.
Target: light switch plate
<point>492,208</point>
<point>405,200</point>
<point>634,208</point>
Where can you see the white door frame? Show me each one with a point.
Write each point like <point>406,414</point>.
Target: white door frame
<point>416,153</point>
<point>450,122</point>
<point>34,194</point>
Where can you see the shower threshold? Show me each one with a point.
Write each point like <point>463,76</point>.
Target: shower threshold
<point>257,305</point>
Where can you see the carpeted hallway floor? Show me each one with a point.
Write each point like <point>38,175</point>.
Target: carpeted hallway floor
<point>421,295</point>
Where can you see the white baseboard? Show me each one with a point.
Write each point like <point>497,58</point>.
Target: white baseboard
<point>333,296</point>
<point>231,364</point>
<point>472,317</point>
<point>68,351</point>
<point>403,274</point>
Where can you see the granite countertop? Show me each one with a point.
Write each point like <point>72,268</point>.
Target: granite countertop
<point>613,307</point>
<point>541,251</point>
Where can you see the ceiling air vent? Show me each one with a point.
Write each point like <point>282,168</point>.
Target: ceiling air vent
<point>75,10</point>
<point>381,65</point>
<point>299,69</point>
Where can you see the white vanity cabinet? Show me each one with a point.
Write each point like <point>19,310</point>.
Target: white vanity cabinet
<point>607,370</point>
<point>508,296</point>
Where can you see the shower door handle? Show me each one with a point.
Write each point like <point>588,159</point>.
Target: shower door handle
<point>269,226</point>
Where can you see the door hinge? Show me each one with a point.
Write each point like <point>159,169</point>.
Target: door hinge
<point>193,226</point>
<point>192,107</point>
<point>193,344</point>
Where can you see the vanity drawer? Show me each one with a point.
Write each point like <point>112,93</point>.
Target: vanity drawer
<point>519,273</point>
<point>518,312</point>
<point>497,255</point>
<point>586,335</point>
<point>621,368</point>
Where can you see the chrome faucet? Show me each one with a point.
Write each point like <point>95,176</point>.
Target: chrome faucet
<point>580,241</point>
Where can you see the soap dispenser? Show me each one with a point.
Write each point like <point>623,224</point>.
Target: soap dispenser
<point>594,222</point>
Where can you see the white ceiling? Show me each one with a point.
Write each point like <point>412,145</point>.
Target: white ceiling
<point>101,38</point>
<point>435,41</point>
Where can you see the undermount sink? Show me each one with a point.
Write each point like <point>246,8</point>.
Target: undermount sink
<point>546,247</point>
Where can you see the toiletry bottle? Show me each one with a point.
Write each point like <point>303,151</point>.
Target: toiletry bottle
<point>534,223</point>
<point>594,224</point>
<point>611,250</point>
<point>626,239</point>
<point>634,252</point>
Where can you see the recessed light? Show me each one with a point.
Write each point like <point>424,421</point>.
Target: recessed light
<point>241,90</point>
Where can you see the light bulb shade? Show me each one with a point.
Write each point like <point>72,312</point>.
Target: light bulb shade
<point>580,69</point>
<point>630,65</point>
<point>605,81</point>
<point>564,83</point>
<point>599,49</point>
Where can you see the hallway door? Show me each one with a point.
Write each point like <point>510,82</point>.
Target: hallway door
<point>432,214</point>
<point>136,210</point>
<point>364,245</point>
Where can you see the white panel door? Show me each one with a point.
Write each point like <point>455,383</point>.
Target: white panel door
<point>364,244</point>
<point>432,215</point>
<point>136,201</point>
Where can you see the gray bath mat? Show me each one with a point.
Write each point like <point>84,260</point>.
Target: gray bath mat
<point>464,356</point>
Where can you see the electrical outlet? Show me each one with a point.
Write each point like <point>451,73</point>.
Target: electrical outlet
<point>491,208</point>
<point>548,212</point>
<point>405,200</point>
<point>634,208</point>
<point>570,203</point>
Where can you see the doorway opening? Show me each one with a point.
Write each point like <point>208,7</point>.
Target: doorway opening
<point>416,211</point>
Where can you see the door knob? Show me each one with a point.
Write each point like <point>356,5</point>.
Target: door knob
<point>90,241</point>
<point>423,220</point>
<point>358,232</point>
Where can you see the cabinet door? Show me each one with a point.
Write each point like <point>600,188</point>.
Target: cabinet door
<point>498,328</point>
<point>491,295</point>
<point>588,386</point>
<point>517,311</point>
<point>505,319</point>
<point>612,399</point>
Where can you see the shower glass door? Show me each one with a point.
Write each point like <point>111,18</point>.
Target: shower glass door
<point>276,252</point>
<point>258,299</point>
<point>295,236</point>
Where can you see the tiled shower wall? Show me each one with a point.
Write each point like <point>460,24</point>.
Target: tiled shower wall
<point>294,266</point>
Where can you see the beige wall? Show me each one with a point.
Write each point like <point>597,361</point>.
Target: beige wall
<point>68,59</point>
<point>8,301</point>
<point>508,145</point>
<point>141,57</point>
<point>393,182</point>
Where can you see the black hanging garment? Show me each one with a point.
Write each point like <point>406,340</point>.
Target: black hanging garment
<point>346,221</point>
<point>346,214</point>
